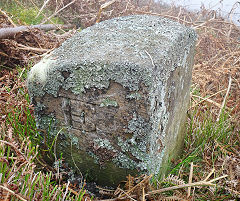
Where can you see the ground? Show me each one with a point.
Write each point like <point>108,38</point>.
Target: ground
<point>212,135</point>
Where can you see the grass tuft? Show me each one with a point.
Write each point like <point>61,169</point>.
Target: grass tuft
<point>25,13</point>
<point>19,153</point>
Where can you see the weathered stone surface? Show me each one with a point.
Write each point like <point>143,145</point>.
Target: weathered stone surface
<point>116,94</point>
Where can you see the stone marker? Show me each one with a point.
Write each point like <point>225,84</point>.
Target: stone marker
<point>115,96</point>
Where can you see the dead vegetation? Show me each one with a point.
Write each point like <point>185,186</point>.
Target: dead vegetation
<point>19,180</point>
<point>27,44</point>
<point>215,91</point>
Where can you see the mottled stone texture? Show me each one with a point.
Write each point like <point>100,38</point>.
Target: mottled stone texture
<point>116,96</point>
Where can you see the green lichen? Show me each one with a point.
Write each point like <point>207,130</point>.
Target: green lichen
<point>124,161</point>
<point>74,139</point>
<point>84,75</point>
<point>104,143</point>
<point>39,107</point>
<point>108,102</point>
<point>135,95</point>
<point>95,158</point>
<point>84,78</point>
<point>48,123</point>
<point>53,129</point>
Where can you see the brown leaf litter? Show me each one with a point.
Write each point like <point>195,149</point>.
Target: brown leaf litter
<point>27,46</point>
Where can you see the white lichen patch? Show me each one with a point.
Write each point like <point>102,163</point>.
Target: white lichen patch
<point>39,72</point>
<point>104,143</point>
<point>135,95</point>
<point>108,102</point>
<point>124,162</point>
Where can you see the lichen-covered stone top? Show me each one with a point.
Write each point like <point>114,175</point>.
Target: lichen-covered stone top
<point>121,46</point>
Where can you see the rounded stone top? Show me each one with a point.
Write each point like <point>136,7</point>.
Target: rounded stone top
<point>127,50</point>
<point>125,39</point>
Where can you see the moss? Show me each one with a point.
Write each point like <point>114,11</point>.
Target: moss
<point>88,163</point>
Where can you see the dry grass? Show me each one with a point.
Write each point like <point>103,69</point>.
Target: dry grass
<point>213,125</point>
<point>20,158</point>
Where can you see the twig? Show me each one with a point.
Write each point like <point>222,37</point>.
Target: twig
<point>230,55</point>
<point>73,191</point>
<point>3,77</point>
<point>190,179</point>
<point>105,5</point>
<point>11,31</point>
<point>143,195</point>
<point>216,179</point>
<point>225,98</point>
<point>15,149</point>
<point>147,178</point>
<point>127,195</point>
<point>208,100</point>
<point>58,11</point>
<point>9,19</point>
<point>200,183</point>
<point>3,54</point>
<point>105,191</point>
<point>23,47</point>
<point>22,73</point>
<point>59,27</point>
<point>9,158</point>
<point>202,24</point>
<point>65,194</point>
<point>209,175</point>
<point>44,4</point>
<point>204,99</point>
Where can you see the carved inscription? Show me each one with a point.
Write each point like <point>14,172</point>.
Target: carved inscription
<point>103,114</point>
